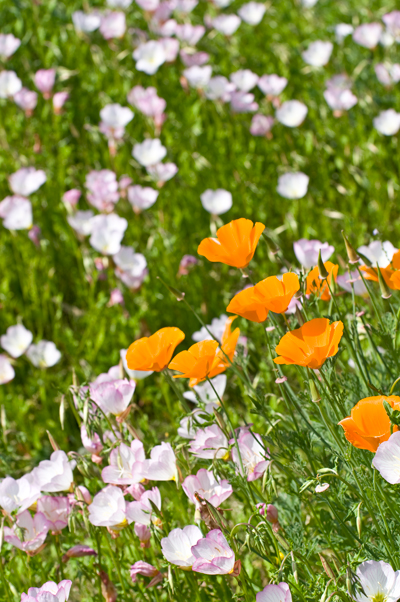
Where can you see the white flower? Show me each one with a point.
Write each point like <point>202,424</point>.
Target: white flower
<point>340,100</point>
<point>342,30</point>
<point>379,582</point>
<point>49,592</point>
<point>318,53</point>
<point>252,12</point>
<point>309,3</point>
<point>43,355</point>
<point>210,443</point>
<point>7,372</point>
<point>189,33</point>
<point>119,3</point>
<point>379,253</point>
<point>387,459</point>
<point>131,266</point>
<point>387,122</point>
<point>134,374</point>
<point>149,152</point>
<point>272,85</point>
<point>17,340</point>
<point>108,509</point>
<point>18,494</point>
<point>86,22</point>
<point>368,34</point>
<point>161,466</point>
<point>198,77</point>
<point>10,84</point>
<point>206,392</point>
<point>219,88</point>
<point>116,116</point>
<point>8,45</point>
<point>81,222</point>
<point>149,57</point>
<point>122,460</point>
<point>141,510</point>
<point>55,474</point>
<point>162,172</point>
<point>217,201</point>
<point>142,197</point>
<point>177,547</point>
<point>388,74</point>
<point>353,280</point>
<point>216,328</point>
<point>27,180</point>
<point>307,251</point>
<point>113,25</point>
<point>293,185</point>
<point>226,24</point>
<point>107,231</point>
<point>16,212</point>
<point>292,113</point>
<point>244,79</point>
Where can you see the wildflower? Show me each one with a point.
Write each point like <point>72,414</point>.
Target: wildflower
<point>177,547</point>
<point>271,294</point>
<point>186,263</point>
<point>10,84</point>
<point>92,444</point>
<point>340,100</point>
<point>378,581</point>
<point>131,267</point>
<point>133,374</point>
<point>292,113</point>
<point>272,85</point>
<point>27,180</point>
<point>122,460</point>
<point>26,100</point>
<point>148,102</point>
<point>387,74</point>
<point>213,555</point>
<point>311,344</point>
<point>191,34</point>
<point>71,197</point>
<point>307,251</point>
<point>107,232</point>
<point>8,45</point>
<point>78,551</point>
<point>369,425</point>
<point>368,34</point>
<point>160,467</point>
<point>273,516</point>
<point>86,22</point>
<point>379,253</point>
<point>119,3</point>
<point>114,118</point>
<point>140,511</point>
<point>217,201</point>
<point>275,593</point>
<point>44,354</point>
<point>208,487</point>
<point>103,189</point>
<point>255,459</point>
<point>198,77</point>
<point>390,274</point>
<point>7,372</point>
<point>293,185</point>
<point>194,58</point>
<point>209,392</point>
<point>149,152</point>
<point>162,172</point>
<point>55,510</point>
<point>81,222</point>
<point>355,282</point>
<point>219,88</point>
<point>244,79</point>
<point>49,592</point>
<point>44,81</point>
<point>109,509</point>
<point>210,443</point>
<point>144,535</point>
<point>17,340</point>
<point>55,474</point>
<point>318,286</point>
<point>387,122</point>
<point>342,30</point>
<point>113,397</point>
<point>148,5</point>
<point>252,12</point>
<point>149,56</point>
<point>235,244</point>
<point>113,25</point>
<point>147,570</point>
<point>318,53</point>
<point>226,24</point>
<point>155,352</point>
<point>18,494</point>
<point>392,22</point>
<point>243,102</point>
<point>216,328</point>
<point>34,532</point>
<point>386,459</point>
<point>16,211</point>
<point>171,49</point>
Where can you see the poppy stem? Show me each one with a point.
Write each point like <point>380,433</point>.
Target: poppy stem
<point>178,393</point>
<point>371,296</point>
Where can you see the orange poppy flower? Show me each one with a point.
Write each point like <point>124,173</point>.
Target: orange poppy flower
<point>319,287</point>
<point>155,352</point>
<point>390,274</point>
<point>235,243</point>
<point>369,425</point>
<point>270,294</point>
<point>206,359</point>
<point>311,344</point>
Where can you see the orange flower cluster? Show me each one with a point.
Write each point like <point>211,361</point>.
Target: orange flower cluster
<point>207,359</point>
<point>390,274</point>
<point>235,244</point>
<point>311,344</point>
<point>369,425</point>
<point>320,287</point>
<point>155,352</point>
<point>271,294</point>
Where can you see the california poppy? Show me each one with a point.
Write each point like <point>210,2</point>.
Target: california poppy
<point>271,294</point>
<point>369,425</point>
<point>311,344</point>
<point>319,286</point>
<point>235,244</point>
<point>390,274</point>
<point>206,359</point>
<point>155,352</point>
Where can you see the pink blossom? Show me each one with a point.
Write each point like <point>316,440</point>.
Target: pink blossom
<point>136,490</point>
<point>131,267</point>
<point>59,100</point>
<point>93,444</point>
<point>387,74</point>
<point>347,283</point>
<point>116,297</point>
<point>386,459</point>
<point>292,306</point>
<point>198,77</point>
<point>261,124</point>
<point>147,101</point>
<point>44,81</point>
<point>242,102</point>
<point>160,467</point>
<point>189,33</point>
<point>147,570</point>
<point>27,180</point>
<point>189,59</point>
<point>103,189</point>
<point>140,511</point>
<point>7,372</point>
<point>340,100</point>
<point>122,462</point>
<point>34,532</point>
<point>213,555</point>
<point>226,24</point>
<point>113,397</point>
<point>148,5</point>
<point>16,212</point>
<point>34,235</point>
<point>275,593</point>
<point>177,547</point>
<point>244,79</point>
<point>187,262</point>
<point>368,34</point>
<point>208,487</point>
<point>162,172</point>
<point>219,88</point>
<point>114,118</point>
<point>306,251</point>
<point>107,232</point>
<point>56,511</point>
<point>144,535</point>
<point>49,592</point>
<point>18,494</point>
<point>8,45</point>
<point>78,551</point>
<point>142,198</point>
<point>255,459</point>
<point>272,85</point>
<point>109,509</point>
<point>392,22</point>
<point>71,197</point>
<point>84,494</point>
<point>113,25</point>
<point>210,443</point>
<point>26,100</point>
<point>55,474</point>
<point>10,84</point>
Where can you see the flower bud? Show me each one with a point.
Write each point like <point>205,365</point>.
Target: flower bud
<point>323,272</point>
<point>385,290</point>
<point>351,252</point>
<point>144,535</point>
<point>315,396</point>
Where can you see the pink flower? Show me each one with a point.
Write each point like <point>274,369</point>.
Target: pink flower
<point>142,197</point>
<point>34,235</point>
<point>16,212</point>
<point>387,74</point>
<point>392,22</point>
<point>162,172</point>
<point>141,510</point>
<point>26,100</point>
<point>189,33</point>
<point>213,555</point>
<point>160,467</point>
<point>261,124</point>
<point>210,443</point>
<point>186,263</point>
<point>177,547</point>
<point>114,118</point>
<point>55,474</point>
<point>272,516</point>
<point>255,459</point>
<point>306,251</point>
<point>219,88</point>
<point>113,25</point>
<point>71,197</point>
<point>189,59</point>
<point>131,267</point>
<point>346,282</point>
<point>243,102</point>
<point>49,592</point>
<point>59,100</point>
<point>386,459</point>
<point>340,100</point>
<point>56,511</point>
<point>103,187</point>
<point>93,444</point>
<point>27,180</point>
<point>147,101</point>
<point>275,593</point>
<point>116,297</point>
<point>147,570</point>
<point>8,45</point>
<point>113,397</point>
<point>34,532</point>
<point>18,494</point>
<point>144,535</point>
<point>208,487</point>
<point>122,462</point>
<point>109,509</point>
<point>368,34</point>
<point>44,81</point>
<point>78,551</point>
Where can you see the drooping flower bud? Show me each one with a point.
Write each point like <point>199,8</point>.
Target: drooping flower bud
<point>351,252</point>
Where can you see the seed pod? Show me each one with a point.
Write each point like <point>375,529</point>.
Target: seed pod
<point>351,252</point>
<point>327,567</point>
<point>171,579</point>
<point>62,411</point>
<point>315,396</point>
<point>358,520</point>
<point>52,441</point>
<point>323,272</point>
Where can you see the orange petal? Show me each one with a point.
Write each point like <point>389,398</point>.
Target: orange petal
<point>354,437</point>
